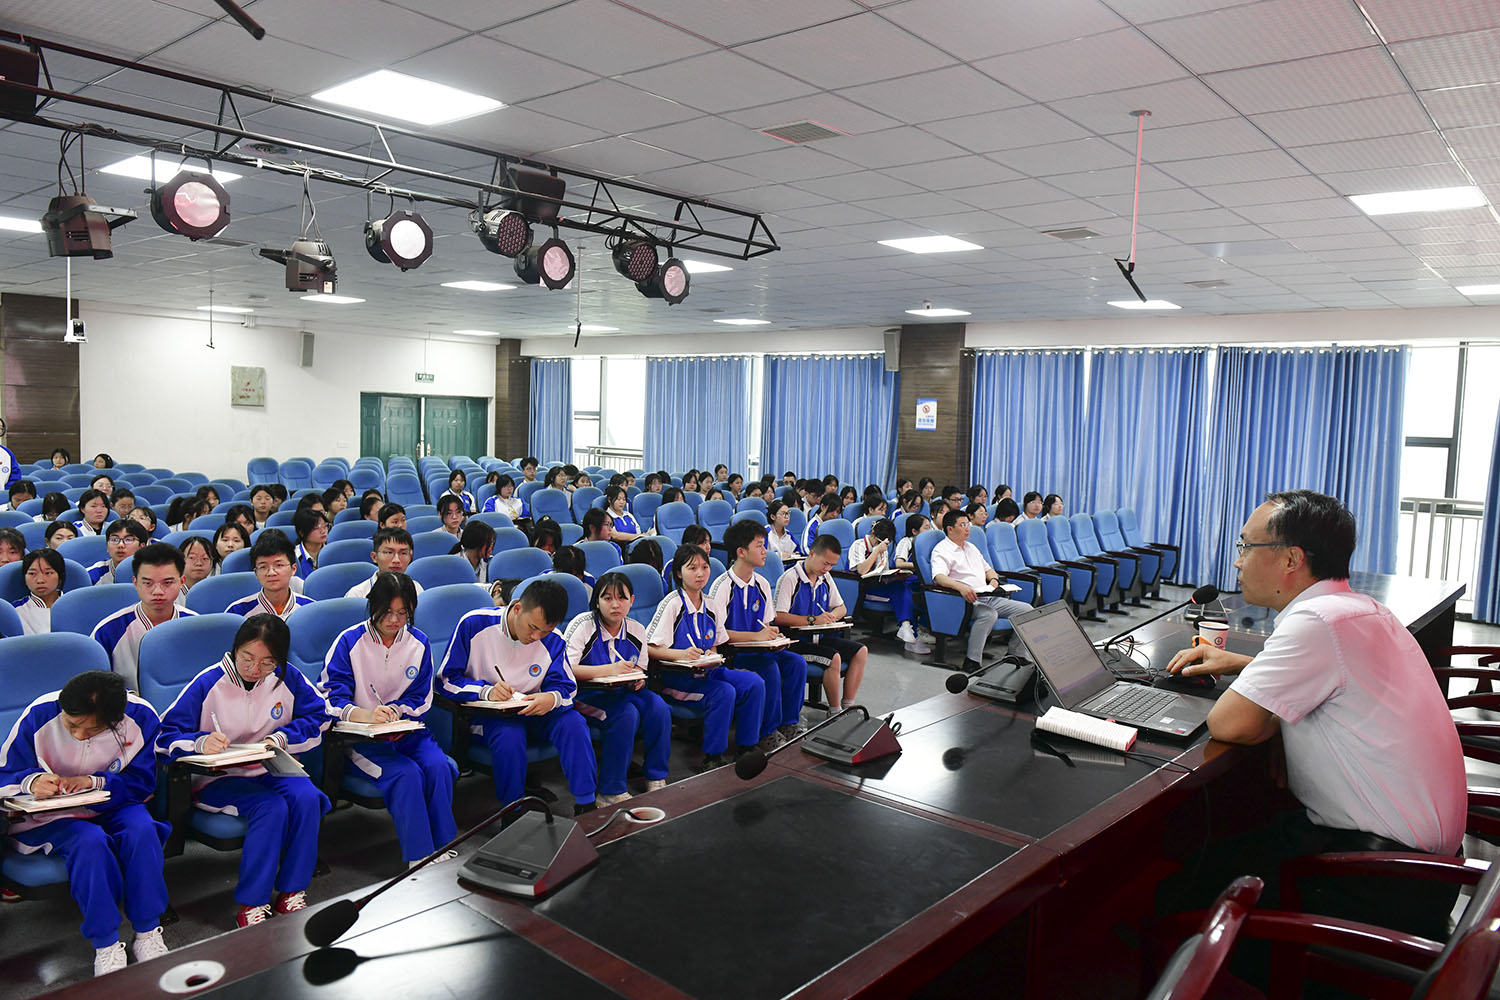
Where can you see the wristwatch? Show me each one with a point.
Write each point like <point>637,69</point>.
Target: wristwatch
<point>812,619</point>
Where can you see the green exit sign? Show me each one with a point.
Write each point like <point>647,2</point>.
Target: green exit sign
<point>426,377</point>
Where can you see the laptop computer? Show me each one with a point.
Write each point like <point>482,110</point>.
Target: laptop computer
<point>1076,674</point>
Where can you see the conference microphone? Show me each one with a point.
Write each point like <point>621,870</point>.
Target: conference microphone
<point>1203,595</point>
<point>956,683</point>
<point>329,924</point>
<point>755,761</point>
<point>849,737</point>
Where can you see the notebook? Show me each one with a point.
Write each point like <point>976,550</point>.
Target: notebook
<point>74,800</point>
<point>1076,674</point>
<point>377,728</point>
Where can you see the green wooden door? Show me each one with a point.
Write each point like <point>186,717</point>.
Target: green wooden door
<point>389,425</point>
<point>455,425</point>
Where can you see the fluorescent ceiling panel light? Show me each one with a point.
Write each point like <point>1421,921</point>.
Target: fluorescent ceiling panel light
<point>409,98</point>
<point>1470,290</point>
<point>1429,200</point>
<point>937,313</point>
<point>1148,304</point>
<point>225,309</point>
<point>167,167</point>
<point>744,322</point>
<point>478,333</point>
<point>594,328</point>
<point>931,244</point>
<point>703,266</point>
<point>17,225</point>
<point>479,286</point>
<point>333,300</point>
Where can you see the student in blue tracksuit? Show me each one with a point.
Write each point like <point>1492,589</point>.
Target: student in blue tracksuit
<point>381,671</point>
<point>311,527</point>
<point>608,641</point>
<point>93,735</point>
<point>504,500</point>
<point>742,600</point>
<point>626,528</point>
<point>250,696</point>
<point>806,595</point>
<point>829,506</point>
<point>685,628</point>
<point>458,484</point>
<point>498,653</point>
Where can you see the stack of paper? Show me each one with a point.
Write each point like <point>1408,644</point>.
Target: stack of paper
<point>32,804</point>
<point>378,728</point>
<point>1077,726</point>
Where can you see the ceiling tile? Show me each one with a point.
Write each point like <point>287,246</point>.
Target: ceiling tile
<point>733,22</point>
<point>617,157</point>
<point>708,139</point>
<point>1058,157</point>
<point>1309,82</point>
<point>1396,179</point>
<point>1012,128</point>
<point>1400,20</point>
<point>484,66</point>
<point>474,14</point>
<point>602,37</point>
<point>855,50</point>
<point>1191,142</point>
<point>825,109</point>
<point>1264,165</point>
<point>910,98</point>
<point>128,28</point>
<point>1111,61</point>
<point>718,82</point>
<point>974,29</point>
<point>1363,154</point>
<point>959,172</point>
<point>1398,114</point>
<point>346,27</point>
<point>858,186</point>
<point>1453,61</point>
<point>791,163</point>
<point>224,52</point>
<point>889,148</point>
<point>1269,32</point>
<point>1143,11</point>
<point>612,107</point>
<point>522,131</point>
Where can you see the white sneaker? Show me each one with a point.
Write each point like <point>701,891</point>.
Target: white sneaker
<point>111,959</point>
<point>906,635</point>
<point>918,648</point>
<point>655,784</point>
<point>923,635</point>
<point>148,945</point>
<point>604,801</point>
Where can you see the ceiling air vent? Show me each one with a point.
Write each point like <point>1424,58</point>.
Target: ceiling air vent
<point>1078,233</point>
<point>801,132</point>
<point>1215,283</point>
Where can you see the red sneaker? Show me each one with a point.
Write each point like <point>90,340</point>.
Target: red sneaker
<point>252,915</point>
<point>290,902</point>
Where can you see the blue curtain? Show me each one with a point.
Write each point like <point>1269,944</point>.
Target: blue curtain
<point>1328,420</point>
<point>830,413</point>
<point>1147,412</point>
<point>1487,592</point>
<point>551,434</point>
<point>697,413</point>
<point>1028,421</point>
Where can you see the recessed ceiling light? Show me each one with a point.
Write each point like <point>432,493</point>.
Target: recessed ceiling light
<point>139,167</point>
<point>333,300</point>
<point>937,313</point>
<point>1477,289</point>
<point>479,286</point>
<point>18,225</point>
<point>703,266</point>
<point>225,309</point>
<point>409,98</point>
<point>744,322</point>
<point>931,244</point>
<point>1148,304</point>
<point>1429,200</point>
<point>478,333</point>
<point>593,328</point>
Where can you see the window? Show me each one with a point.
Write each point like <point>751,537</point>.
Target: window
<point>1476,436</point>
<point>1433,388</point>
<point>624,404</point>
<point>585,409</point>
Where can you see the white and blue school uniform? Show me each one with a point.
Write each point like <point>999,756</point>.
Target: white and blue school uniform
<point>102,572</point>
<point>510,506</point>
<point>362,590</point>
<point>82,528</point>
<point>482,652</point>
<point>306,562</point>
<point>798,594</point>
<point>35,615</point>
<point>283,813</point>
<point>724,694</point>
<point>415,777</point>
<point>467,499</point>
<point>113,849</point>
<point>896,593</point>
<point>10,469</point>
<point>257,604</point>
<point>619,713</point>
<point>746,607</point>
<point>784,543</point>
<point>626,522</point>
<point>120,635</point>
<point>809,534</point>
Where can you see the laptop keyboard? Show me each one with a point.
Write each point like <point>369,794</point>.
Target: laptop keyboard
<point>1142,703</point>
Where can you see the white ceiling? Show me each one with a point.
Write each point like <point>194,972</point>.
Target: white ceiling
<point>987,120</point>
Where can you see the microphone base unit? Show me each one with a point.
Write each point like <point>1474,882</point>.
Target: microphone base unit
<point>853,740</point>
<point>531,857</point>
<point>1009,683</point>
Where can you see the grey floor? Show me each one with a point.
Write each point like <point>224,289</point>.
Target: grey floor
<point>41,949</point>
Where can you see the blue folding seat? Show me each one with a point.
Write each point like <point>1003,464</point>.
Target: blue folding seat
<point>284,530</point>
<point>551,503</point>
<point>1107,527</point>
<point>195,479</point>
<point>178,537</point>
<point>154,494</point>
<point>750,514</point>
<point>572,534</point>
<point>326,474</point>
<point>773,569</point>
<point>331,581</point>
<point>80,480</point>
<point>672,519</point>
<point>796,524</point>
<point>1132,532</point>
<point>263,470</point>
<point>666,545</point>
<point>1127,566</point>
<point>281,518</point>
<point>578,593</point>
<point>315,627</point>
<point>404,488</point>
<point>583,499</point>
<point>519,564</point>
<point>421,510</point>
<point>510,538</point>
<point>483,492</point>
<point>366,477</point>
<point>14,519</point>
<point>177,485</point>
<point>10,620</point>
<point>129,467</point>
<point>35,533</point>
<point>863,525</point>
<point>600,557</point>
<point>349,513</point>
<point>210,596</point>
<point>644,506</point>
<point>524,491</point>
<point>1038,587</point>
<point>494,519</point>
<point>693,500</point>
<point>947,611</point>
<point>436,484</point>
<point>431,543</point>
<point>13,585</point>
<point>751,503</point>
<point>422,523</point>
<point>1031,536</point>
<point>125,572</point>
<point>209,521</point>
<point>237,561</point>
<point>353,528</point>
<point>350,550</point>
<point>646,583</point>
<point>715,516</point>
<point>160,473</point>
<point>86,549</point>
<point>31,507</point>
<point>441,570</point>
<point>1065,551</point>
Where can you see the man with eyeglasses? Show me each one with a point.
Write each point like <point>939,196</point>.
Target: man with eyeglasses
<point>1371,750</point>
<point>274,561</point>
<point>390,550</point>
<point>122,539</point>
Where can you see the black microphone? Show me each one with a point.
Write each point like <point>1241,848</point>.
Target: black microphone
<point>329,924</point>
<point>754,762</point>
<point>956,683</point>
<point>1203,595</point>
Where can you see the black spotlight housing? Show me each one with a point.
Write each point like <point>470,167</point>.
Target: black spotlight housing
<point>635,259</point>
<point>504,232</point>
<point>550,263</point>
<point>670,282</point>
<point>191,204</point>
<point>76,227</point>
<point>402,238</point>
<point>310,266</point>
<point>536,195</point>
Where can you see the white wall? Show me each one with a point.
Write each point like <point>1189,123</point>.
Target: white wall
<point>151,391</point>
<point>746,341</point>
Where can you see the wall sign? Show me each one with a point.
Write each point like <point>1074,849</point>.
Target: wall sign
<point>247,385</point>
<point>426,377</point>
<point>927,414</point>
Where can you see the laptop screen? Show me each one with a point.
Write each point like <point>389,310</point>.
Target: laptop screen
<point>1062,652</point>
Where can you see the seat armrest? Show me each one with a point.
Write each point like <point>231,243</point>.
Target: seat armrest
<point>1364,864</point>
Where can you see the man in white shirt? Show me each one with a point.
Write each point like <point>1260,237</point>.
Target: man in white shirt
<point>958,565</point>
<point>1371,750</point>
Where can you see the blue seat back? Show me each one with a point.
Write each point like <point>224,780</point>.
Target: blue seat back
<point>404,488</point>
<point>751,503</point>
<point>844,532</point>
<point>421,510</point>
<point>510,538</point>
<point>553,504</point>
<point>175,652</point>
<point>600,557</point>
<point>1060,538</point>
<point>326,474</point>
<point>35,534</point>
<point>432,543</point>
<point>216,593</point>
<point>796,524</point>
<point>87,549</point>
<point>178,537</point>
<point>750,514</point>
<point>578,593</point>
<point>643,506</point>
<point>583,499</point>
<point>153,494</point>
<point>693,500</point>
<point>34,665</point>
<point>78,611</point>
<point>673,518</point>
<point>237,561</point>
<point>10,623</point>
<point>525,490</point>
<point>350,550</point>
<point>315,626</point>
<point>196,479</point>
<point>666,545</point>
<point>648,588</point>
<point>353,528</point>
<point>922,554</point>
<point>366,477</point>
<point>328,582</point>
<point>421,523</point>
<point>440,608</point>
<point>494,519</point>
<point>1005,551</point>
<point>1085,538</point>
<point>1107,527</point>
<point>441,570</point>
<point>519,564</point>
<point>296,474</point>
<point>1129,527</point>
<point>863,525</point>
<point>176,484</point>
<point>14,519</point>
<point>13,584</point>
<point>282,518</point>
<point>572,534</point>
<point>714,515</point>
<point>773,569</point>
<point>125,572</point>
<point>263,470</point>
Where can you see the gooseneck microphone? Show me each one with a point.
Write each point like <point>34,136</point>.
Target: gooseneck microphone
<point>754,762</point>
<point>956,683</point>
<point>329,924</point>
<point>1202,596</point>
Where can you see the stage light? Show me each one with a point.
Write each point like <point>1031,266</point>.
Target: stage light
<point>402,238</point>
<point>191,204</point>
<point>504,232</point>
<point>550,263</point>
<point>635,259</point>
<point>535,195</point>
<point>670,282</point>
<point>76,227</point>
<point>310,266</point>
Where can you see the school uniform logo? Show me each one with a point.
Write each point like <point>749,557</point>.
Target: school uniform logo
<point>114,766</point>
<point>276,710</point>
<point>535,669</point>
<point>411,672</point>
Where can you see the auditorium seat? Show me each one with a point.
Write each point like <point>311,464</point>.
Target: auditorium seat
<point>194,479</point>
<point>263,471</point>
<point>715,516</point>
<point>510,538</point>
<point>281,518</point>
<point>494,519</point>
<point>519,564</point>
<point>35,533</point>
<point>672,519</point>
<point>431,543</point>
<point>125,572</point>
<point>646,583</point>
<point>551,503</point>
<point>751,503</point>
<point>572,534</point>
<point>296,473</point>
<point>421,523</point>
<point>750,514</point>
<point>10,621</point>
<point>350,550</point>
<point>216,593</point>
<point>404,488</point>
<point>643,506</point>
<point>80,611</point>
<point>326,474</point>
<point>441,570</point>
<point>237,561</point>
<point>13,585</point>
<point>583,499</point>
<point>334,580</point>
<point>1037,586</point>
<point>863,525</point>
<point>600,557</point>
<point>1031,535</point>
<point>578,593</point>
<point>85,549</point>
<point>14,519</point>
<point>693,500</point>
<point>525,490</point>
<point>315,627</point>
<point>1107,526</point>
<point>366,478</point>
<point>1132,532</point>
<point>351,528</point>
<point>1086,543</point>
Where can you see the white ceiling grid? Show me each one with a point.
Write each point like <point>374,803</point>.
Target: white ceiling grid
<point>984,120</point>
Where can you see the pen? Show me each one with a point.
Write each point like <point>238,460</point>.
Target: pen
<point>43,762</point>
<point>378,702</point>
<point>217,728</point>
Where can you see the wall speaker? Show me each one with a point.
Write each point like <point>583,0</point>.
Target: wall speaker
<point>893,350</point>
<point>304,349</point>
